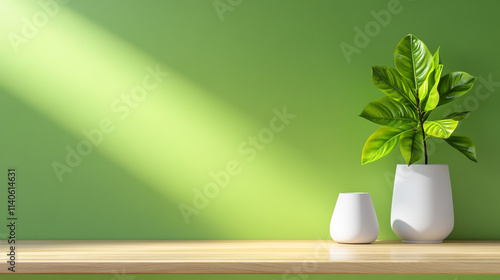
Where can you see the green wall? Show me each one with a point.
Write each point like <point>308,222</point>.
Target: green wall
<point>117,114</point>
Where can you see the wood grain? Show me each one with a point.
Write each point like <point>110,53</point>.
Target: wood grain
<point>273,256</point>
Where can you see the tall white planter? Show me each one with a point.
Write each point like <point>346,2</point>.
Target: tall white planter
<point>354,219</point>
<point>422,204</point>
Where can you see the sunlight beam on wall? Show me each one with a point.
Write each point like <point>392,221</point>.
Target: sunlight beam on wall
<point>161,127</point>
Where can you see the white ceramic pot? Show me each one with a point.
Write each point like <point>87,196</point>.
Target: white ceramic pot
<point>354,219</point>
<point>422,205</point>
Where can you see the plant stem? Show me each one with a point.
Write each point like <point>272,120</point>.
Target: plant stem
<point>420,115</point>
<point>425,145</point>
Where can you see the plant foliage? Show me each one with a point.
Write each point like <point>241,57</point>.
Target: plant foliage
<point>414,89</point>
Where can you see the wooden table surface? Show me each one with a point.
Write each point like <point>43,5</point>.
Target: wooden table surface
<point>273,256</point>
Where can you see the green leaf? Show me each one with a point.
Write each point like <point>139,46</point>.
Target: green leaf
<point>458,116</point>
<point>453,85</point>
<point>441,128</point>
<point>424,90</point>
<point>464,145</point>
<point>435,57</point>
<point>428,94</point>
<point>413,61</point>
<point>381,142</point>
<point>429,82</point>
<point>412,146</point>
<point>390,82</point>
<point>426,115</point>
<point>433,98</point>
<point>386,111</point>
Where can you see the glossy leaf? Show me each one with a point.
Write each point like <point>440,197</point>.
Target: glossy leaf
<point>458,116</point>
<point>412,146</point>
<point>390,82</point>
<point>381,142</point>
<point>386,111</point>
<point>426,115</point>
<point>429,96</point>
<point>464,145</point>
<point>432,99</point>
<point>453,85</point>
<point>413,61</point>
<point>424,89</point>
<point>435,57</point>
<point>441,128</point>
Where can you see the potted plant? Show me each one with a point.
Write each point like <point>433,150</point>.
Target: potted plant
<point>422,207</point>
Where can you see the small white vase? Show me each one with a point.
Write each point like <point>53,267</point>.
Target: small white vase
<point>422,205</point>
<point>354,219</point>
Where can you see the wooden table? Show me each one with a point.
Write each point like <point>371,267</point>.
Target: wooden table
<point>273,256</point>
